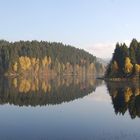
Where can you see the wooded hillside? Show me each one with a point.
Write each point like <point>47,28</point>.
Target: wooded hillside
<point>34,57</point>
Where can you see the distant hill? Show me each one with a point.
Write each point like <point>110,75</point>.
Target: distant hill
<point>104,61</point>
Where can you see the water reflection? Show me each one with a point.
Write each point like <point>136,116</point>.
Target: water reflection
<point>44,90</point>
<point>125,97</point>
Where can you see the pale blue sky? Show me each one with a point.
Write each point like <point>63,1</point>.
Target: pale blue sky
<point>94,25</point>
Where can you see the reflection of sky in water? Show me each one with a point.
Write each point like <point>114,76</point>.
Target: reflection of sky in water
<point>100,95</point>
<point>91,117</point>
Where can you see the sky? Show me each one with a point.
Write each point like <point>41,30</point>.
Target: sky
<point>93,25</point>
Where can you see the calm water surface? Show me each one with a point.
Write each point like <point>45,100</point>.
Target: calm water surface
<point>68,108</point>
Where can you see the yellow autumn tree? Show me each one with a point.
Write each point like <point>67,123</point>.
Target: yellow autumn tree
<point>24,62</point>
<point>45,61</point>
<point>128,65</point>
<point>27,62</point>
<point>37,66</point>
<point>21,62</point>
<point>137,68</point>
<point>15,66</point>
<point>33,61</point>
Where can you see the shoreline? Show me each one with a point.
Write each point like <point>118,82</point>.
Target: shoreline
<point>118,79</point>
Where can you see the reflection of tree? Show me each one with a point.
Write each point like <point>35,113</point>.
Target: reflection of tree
<point>125,96</point>
<point>47,90</point>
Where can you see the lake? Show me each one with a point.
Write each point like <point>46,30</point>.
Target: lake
<point>71,108</point>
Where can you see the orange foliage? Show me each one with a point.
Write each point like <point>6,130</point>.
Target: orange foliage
<point>127,94</point>
<point>15,66</point>
<point>24,62</point>
<point>128,65</point>
<point>137,68</point>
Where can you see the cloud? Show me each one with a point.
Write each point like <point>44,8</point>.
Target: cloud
<point>103,50</point>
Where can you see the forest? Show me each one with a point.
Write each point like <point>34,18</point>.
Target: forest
<point>45,58</point>
<point>125,63</point>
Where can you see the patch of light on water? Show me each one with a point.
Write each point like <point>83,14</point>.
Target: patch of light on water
<point>100,95</point>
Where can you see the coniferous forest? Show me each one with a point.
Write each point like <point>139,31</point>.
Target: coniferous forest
<point>125,63</point>
<point>34,57</point>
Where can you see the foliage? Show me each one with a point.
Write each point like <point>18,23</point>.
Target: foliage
<point>125,61</point>
<point>34,57</point>
<point>128,65</point>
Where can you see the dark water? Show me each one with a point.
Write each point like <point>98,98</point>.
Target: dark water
<point>68,108</point>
